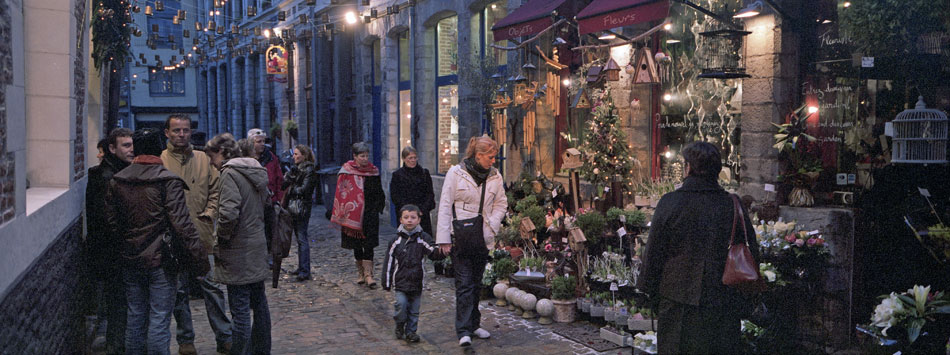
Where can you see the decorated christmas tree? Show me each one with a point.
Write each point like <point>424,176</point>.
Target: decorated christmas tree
<point>606,149</point>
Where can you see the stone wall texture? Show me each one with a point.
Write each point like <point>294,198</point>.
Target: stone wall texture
<point>39,313</point>
<point>7,166</point>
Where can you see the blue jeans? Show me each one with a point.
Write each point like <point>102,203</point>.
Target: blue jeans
<point>303,245</point>
<point>407,309</point>
<point>468,279</point>
<point>214,304</point>
<point>248,338</point>
<point>151,298</point>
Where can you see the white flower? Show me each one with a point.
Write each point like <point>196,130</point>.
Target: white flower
<point>769,275</point>
<point>596,171</point>
<point>920,297</point>
<point>887,313</point>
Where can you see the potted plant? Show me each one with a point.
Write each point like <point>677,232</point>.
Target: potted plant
<point>563,297</point>
<point>799,151</point>
<point>504,268</point>
<point>597,307</point>
<point>641,319</point>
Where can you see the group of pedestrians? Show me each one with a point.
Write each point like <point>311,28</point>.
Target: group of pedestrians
<point>164,220</point>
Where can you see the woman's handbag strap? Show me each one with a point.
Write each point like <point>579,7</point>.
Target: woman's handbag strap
<point>737,218</point>
<point>481,202</point>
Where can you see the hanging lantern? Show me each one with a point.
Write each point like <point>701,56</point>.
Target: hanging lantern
<point>218,3</point>
<point>325,18</point>
<point>282,15</point>
<point>196,42</point>
<point>159,6</point>
<point>136,9</point>
<point>211,25</point>
<point>185,33</point>
<point>175,20</point>
<point>174,59</point>
<point>612,70</point>
<point>154,28</point>
<point>181,14</point>
<point>257,31</point>
<point>219,30</point>
<point>148,10</point>
<point>137,32</point>
<point>174,46</point>
<point>171,38</point>
<point>234,29</point>
<point>302,18</point>
<point>723,59</point>
<point>197,26</point>
<point>251,11</point>
<point>311,2</point>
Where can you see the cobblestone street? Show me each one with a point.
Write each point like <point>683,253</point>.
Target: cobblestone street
<point>331,314</point>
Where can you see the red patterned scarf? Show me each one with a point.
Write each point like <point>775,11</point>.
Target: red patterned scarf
<point>349,201</point>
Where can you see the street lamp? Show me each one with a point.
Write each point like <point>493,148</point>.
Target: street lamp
<point>350,17</point>
<point>752,10</point>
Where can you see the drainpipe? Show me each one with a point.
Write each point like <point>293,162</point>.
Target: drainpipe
<point>414,123</point>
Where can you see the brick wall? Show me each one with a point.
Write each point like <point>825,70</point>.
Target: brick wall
<point>39,314</point>
<point>79,92</point>
<point>7,166</point>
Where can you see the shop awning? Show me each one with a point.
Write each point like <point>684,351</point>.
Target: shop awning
<point>606,14</point>
<point>531,18</point>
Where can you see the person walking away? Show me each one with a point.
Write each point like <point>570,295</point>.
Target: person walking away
<point>685,257</point>
<point>241,250</point>
<point>412,184</point>
<point>200,177</point>
<point>147,211</point>
<point>117,153</point>
<point>267,158</point>
<point>300,182</point>
<point>403,270</point>
<point>358,201</point>
<point>473,191</point>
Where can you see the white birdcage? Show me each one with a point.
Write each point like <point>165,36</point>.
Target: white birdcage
<point>920,135</point>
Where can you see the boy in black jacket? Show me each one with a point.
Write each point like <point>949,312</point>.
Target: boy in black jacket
<point>402,270</point>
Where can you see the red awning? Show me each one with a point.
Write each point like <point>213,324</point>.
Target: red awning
<point>529,19</point>
<point>606,14</point>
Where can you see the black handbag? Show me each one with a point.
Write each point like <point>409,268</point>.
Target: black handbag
<point>468,234</point>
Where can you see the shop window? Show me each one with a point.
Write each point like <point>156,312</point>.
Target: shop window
<point>494,12</point>
<point>446,48</point>
<point>404,110</point>
<point>163,82</point>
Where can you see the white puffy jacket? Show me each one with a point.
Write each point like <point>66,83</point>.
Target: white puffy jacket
<point>459,188</point>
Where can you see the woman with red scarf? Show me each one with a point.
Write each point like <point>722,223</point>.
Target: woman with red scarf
<point>358,201</point>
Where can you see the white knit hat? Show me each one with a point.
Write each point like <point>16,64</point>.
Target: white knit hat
<point>254,132</point>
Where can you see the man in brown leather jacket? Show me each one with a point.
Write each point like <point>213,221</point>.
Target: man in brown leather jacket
<point>146,210</point>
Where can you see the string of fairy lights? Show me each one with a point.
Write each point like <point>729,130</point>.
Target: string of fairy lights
<point>215,32</point>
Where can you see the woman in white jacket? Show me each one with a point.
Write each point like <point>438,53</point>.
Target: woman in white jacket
<point>462,191</point>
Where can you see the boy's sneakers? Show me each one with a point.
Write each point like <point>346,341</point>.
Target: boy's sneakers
<point>465,341</point>
<point>482,333</point>
<point>401,331</point>
<point>412,337</point>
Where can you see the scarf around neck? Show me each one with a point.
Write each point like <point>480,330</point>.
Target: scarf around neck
<point>478,173</point>
<point>349,200</point>
<point>408,233</point>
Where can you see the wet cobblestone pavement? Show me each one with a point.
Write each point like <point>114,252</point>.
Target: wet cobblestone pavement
<point>331,314</point>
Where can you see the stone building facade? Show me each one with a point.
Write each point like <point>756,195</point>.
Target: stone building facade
<point>49,113</point>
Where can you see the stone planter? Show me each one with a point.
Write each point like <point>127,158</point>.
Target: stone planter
<point>641,201</point>
<point>585,305</point>
<point>610,314</point>
<point>564,310</point>
<point>621,320</point>
<point>640,324</point>
<point>616,336</point>
<point>596,310</point>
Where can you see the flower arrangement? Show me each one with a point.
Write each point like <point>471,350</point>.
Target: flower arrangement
<point>771,274</point>
<point>777,238</point>
<point>909,311</point>
<point>645,341</point>
<point>610,268</point>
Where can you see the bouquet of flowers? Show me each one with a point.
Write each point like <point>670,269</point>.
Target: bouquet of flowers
<point>645,341</point>
<point>771,274</point>
<point>909,311</point>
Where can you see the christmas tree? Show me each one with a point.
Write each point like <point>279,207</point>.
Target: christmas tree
<point>606,149</point>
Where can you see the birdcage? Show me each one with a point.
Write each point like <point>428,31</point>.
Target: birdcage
<point>720,51</point>
<point>920,136</point>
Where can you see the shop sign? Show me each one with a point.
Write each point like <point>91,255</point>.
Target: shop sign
<point>276,60</point>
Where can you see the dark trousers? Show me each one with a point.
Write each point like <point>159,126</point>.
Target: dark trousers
<point>360,253</point>
<point>248,338</point>
<point>113,307</point>
<point>303,245</point>
<point>686,329</point>
<point>468,279</point>
<point>213,295</point>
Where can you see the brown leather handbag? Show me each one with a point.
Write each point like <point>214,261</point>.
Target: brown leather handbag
<point>742,271</point>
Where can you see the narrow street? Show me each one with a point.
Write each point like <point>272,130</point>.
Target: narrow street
<point>331,314</point>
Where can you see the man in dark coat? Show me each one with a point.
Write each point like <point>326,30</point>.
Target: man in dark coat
<point>154,236</point>
<point>117,154</point>
<point>685,257</point>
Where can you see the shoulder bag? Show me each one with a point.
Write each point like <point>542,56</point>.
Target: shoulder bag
<point>742,271</point>
<point>469,234</point>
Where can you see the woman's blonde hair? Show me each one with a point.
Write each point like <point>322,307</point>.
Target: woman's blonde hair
<point>306,152</point>
<point>482,144</point>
